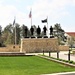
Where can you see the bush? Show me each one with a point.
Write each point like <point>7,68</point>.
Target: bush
<point>60,60</point>
<point>70,61</point>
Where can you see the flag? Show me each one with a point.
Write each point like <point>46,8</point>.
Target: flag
<point>30,14</point>
<point>14,22</point>
<point>44,21</point>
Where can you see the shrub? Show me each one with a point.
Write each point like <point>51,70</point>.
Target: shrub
<point>70,61</point>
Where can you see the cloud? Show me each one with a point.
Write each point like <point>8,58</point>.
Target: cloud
<point>54,9</point>
<point>7,14</point>
<point>57,11</point>
<point>51,8</point>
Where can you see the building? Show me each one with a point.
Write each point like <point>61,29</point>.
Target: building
<point>70,36</point>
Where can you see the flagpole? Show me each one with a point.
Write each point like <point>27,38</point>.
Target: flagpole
<point>31,16</point>
<point>15,30</point>
<point>15,34</point>
<point>47,25</point>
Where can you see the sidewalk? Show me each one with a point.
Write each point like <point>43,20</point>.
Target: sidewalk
<point>62,55</point>
<point>66,73</point>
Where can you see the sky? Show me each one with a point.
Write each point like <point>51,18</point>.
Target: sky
<point>58,11</point>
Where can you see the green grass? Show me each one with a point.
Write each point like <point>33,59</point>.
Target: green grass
<point>31,65</point>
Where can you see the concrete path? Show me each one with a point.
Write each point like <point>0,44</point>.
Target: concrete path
<point>62,55</point>
<point>66,73</point>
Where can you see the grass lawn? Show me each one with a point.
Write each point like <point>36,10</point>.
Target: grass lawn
<point>31,65</point>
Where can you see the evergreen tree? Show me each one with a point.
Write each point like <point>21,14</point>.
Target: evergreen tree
<point>7,34</point>
<point>59,33</point>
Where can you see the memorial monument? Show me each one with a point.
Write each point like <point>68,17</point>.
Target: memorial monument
<point>32,32</point>
<point>51,32</point>
<point>38,44</point>
<point>26,31</point>
<point>38,32</point>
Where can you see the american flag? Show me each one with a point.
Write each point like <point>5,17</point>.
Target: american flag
<point>30,14</point>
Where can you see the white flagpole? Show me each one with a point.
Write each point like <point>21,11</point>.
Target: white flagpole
<point>47,26</point>
<point>15,30</point>
<point>31,16</point>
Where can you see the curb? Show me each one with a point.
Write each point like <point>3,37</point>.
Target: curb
<point>64,63</point>
<point>65,73</point>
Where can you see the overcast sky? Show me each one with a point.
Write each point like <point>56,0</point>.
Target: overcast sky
<point>58,11</point>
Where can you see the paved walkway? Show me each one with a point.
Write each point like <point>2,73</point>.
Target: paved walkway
<point>66,73</point>
<point>62,55</point>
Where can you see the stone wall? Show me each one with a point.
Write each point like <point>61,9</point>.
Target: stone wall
<point>39,44</point>
<point>63,48</point>
<point>10,48</point>
<point>35,45</point>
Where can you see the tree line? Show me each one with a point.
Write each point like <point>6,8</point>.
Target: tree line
<point>7,35</point>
